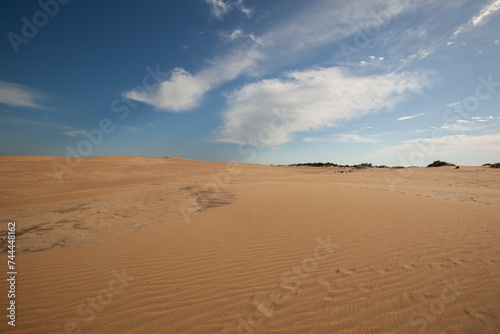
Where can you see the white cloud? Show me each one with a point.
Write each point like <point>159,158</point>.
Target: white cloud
<point>289,40</point>
<point>342,138</point>
<point>183,91</point>
<point>482,119</point>
<point>474,124</point>
<point>420,130</point>
<point>464,125</point>
<point>312,100</point>
<point>245,10</point>
<point>15,95</point>
<point>412,116</point>
<point>236,34</point>
<point>257,40</point>
<point>486,11</point>
<point>231,37</point>
<point>453,145</point>
<point>239,34</point>
<point>334,20</point>
<point>150,124</point>
<point>450,105</point>
<point>220,8</point>
<point>312,27</point>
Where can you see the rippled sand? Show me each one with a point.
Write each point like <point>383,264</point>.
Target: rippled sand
<point>164,245</point>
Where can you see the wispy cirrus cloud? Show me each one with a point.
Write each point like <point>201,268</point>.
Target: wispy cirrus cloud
<point>131,128</point>
<point>58,127</point>
<point>474,124</point>
<point>221,8</point>
<point>313,100</point>
<point>462,125</point>
<point>72,132</point>
<point>342,138</point>
<point>452,145</point>
<point>453,104</point>
<point>412,116</point>
<point>237,34</point>
<point>15,95</point>
<point>484,14</point>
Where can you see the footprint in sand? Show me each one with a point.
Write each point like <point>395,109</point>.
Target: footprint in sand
<point>329,296</point>
<point>324,282</point>
<point>409,298</point>
<point>408,266</point>
<point>382,271</point>
<point>364,289</point>
<point>345,271</point>
<point>476,315</point>
<point>457,261</point>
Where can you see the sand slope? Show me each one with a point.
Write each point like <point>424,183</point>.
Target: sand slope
<point>155,245</point>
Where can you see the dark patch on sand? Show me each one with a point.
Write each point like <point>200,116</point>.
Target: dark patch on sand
<point>80,207</point>
<point>213,199</point>
<point>201,200</point>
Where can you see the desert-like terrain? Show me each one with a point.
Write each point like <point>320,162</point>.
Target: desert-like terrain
<point>165,245</point>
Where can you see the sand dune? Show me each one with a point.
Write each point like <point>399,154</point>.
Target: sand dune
<point>163,245</point>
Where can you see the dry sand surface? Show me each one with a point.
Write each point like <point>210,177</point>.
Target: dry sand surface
<point>164,245</point>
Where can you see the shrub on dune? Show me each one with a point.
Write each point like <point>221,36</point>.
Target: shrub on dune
<point>439,163</point>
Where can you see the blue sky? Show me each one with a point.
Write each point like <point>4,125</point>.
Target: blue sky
<point>275,82</point>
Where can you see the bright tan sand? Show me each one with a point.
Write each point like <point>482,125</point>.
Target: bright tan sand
<point>164,245</point>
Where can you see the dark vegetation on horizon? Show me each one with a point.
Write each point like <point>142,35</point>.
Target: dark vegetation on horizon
<point>329,164</point>
<point>437,163</point>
